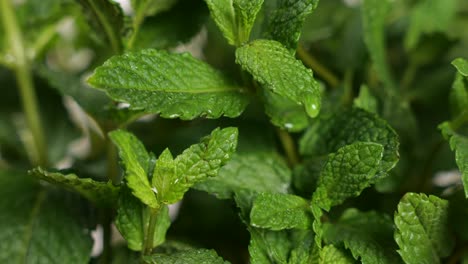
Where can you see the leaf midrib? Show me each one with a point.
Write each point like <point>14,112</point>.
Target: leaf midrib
<point>226,89</point>
<point>29,228</point>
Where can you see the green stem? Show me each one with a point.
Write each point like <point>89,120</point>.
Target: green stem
<point>149,234</point>
<point>289,147</point>
<point>311,62</point>
<point>348,87</point>
<point>459,120</point>
<point>106,222</point>
<point>112,162</point>
<point>408,75</point>
<point>25,80</point>
<point>137,21</point>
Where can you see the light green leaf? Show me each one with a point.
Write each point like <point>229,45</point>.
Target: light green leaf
<point>459,95</point>
<point>369,236</point>
<point>39,226</point>
<point>253,171</point>
<point>332,255</point>
<point>346,173</point>
<point>459,144</point>
<point>461,65</point>
<point>195,164</point>
<point>330,133</point>
<point>107,19</point>
<point>199,256</point>
<point>423,233</point>
<point>285,24</point>
<point>164,174</point>
<point>278,211</point>
<point>374,15</point>
<point>245,13</point>
<point>100,193</point>
<point>268,246</point>
<point>173,85</point>
<point>284,112</point>
<point>429,16</point>
<point>271,64</point>
<point>144,8</point>
<point>136,162</point>
<point>366,100</point>
<point>133,219</point>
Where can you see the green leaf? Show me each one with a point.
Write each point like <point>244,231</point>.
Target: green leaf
<point>344,127</point>
<point>136,162</point>
<point>429,16</point>
<point>346,173</point>
<point>107,19</point>
<point>374,14</point>
<point>459,144</point>
<point>459,95</point>
<point>144,8</point>
<point>195,164</point>
<point>39,226</point>
<point>271,64</point>
<point>423,233</point>
<point>173,85</point>
<point>369,236</point>
<point>304,250</point>
<point>133,218</point>
<point>332,255</point>
<point>461,65</point>
<point>254,171</point>
<point>100,193</point>
<point>268,246</point>
<point>366,100</point>
<point>201,256</point>
<point>245,13</point>
<point>278,211</point>
<point>285,23</point>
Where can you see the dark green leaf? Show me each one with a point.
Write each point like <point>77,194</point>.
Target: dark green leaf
<point>173,85</point>
<point>276,69</point>
<point>423,233</point>
<point>100,193</point>
<point>201,256</point>
<point>268,246</point>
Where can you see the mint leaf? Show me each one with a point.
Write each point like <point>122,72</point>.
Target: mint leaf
<point>268,246</point>
<point>276,69</point>
<point>374,15</point>
<point>304,250</point>
<point>197,163</point>
<point>285,23</point>
<point>133,217</point>
<point>333,255</point>
<point>429,16</point>
<point>346,173</point>
<point>423,233</point>
<point>202,256</point>
<point>459,144</point>
<point>329,133</point>
<point>234,18</point>
<point>369,236</point>
<point>366,101</point>
<point>255,171</point>
<point>136,162</point>
<point>107,19</point>
<point>461,65</point>
<point>39,226</point>
<point>144,8</point>
<point>173,85</point>
<point>100,193</point>
<point>459,95</point>
<point>278,211</point>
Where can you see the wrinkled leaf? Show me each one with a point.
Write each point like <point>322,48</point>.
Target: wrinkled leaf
<point>202,256</point>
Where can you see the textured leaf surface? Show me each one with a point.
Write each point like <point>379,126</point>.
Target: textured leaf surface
<point>268,246</point>
<point>136,162</point>
<point>173,85</point>
<point>332,255</point>
<point>346,173</point>
<point>222,12</point>
<point>202,256</point>
<point>285,24</point>
<point>271,64</point>
<point>246,12</point>
<point>461,65</point>
<point>277,211</point>
<point>330,133</point>
<point>100,193</point>
<point>374,15</point>
<point>37,226</point>
<point>132,219</point>
<point>369,236</point>
<point>254,171</point>
<point>423,233</point>
<point>197,163</point>
<point>459,144</point>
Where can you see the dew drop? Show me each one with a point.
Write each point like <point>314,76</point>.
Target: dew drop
<point>311,104</point>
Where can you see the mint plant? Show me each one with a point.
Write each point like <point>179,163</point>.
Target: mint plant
<point>234,131</point>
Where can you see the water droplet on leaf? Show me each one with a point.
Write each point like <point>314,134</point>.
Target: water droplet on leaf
<point>311,104</point>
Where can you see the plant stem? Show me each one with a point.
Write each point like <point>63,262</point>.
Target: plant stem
<point>289,147</point>
<point>459,120</point>
<point>149,234</point>
<point>112,162</point>
<point>106,222</point>
<point>24,78</point>
<point>311,62</point>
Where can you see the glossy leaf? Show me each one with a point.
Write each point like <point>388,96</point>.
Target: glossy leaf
<point>172,85</point>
